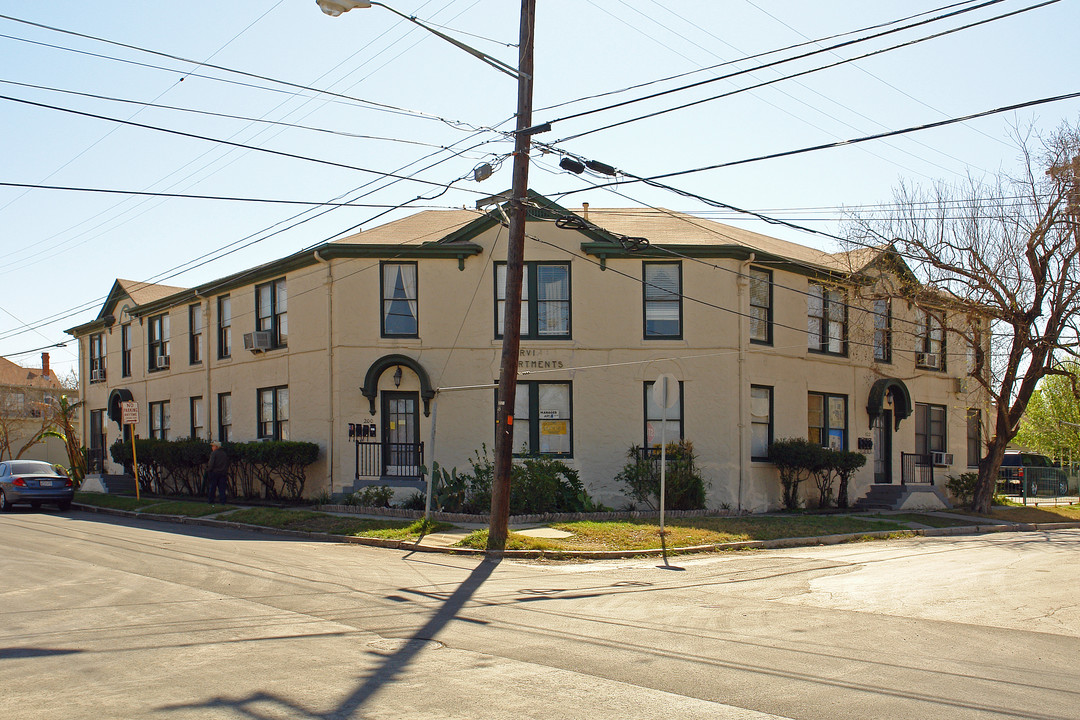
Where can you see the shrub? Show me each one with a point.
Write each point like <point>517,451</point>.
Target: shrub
<point>962,487</point>
<point>845,463</point>
<point>371,496</point>
<point>684,486</point>
<point>795,459</point>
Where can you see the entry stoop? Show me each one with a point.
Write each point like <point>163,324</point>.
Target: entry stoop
<point>904,497</point>
<point>111,484</point>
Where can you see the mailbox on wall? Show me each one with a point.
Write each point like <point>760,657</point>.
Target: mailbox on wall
<point>361,430</point>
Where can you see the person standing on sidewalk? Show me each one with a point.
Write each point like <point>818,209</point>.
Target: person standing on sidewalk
<point>217,472</point>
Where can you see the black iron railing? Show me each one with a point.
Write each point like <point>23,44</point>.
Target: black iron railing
<point>916,469</point>
<point>389,460</point>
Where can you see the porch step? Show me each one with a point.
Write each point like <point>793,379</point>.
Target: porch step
<point>112,484</point>
<point>903,497</point>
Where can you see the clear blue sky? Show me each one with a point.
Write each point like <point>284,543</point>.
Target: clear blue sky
<point>61,250</point>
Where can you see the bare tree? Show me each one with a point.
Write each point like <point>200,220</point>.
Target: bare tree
<point>998,261</point>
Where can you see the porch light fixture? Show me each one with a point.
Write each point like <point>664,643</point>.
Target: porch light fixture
<point>397,377</point>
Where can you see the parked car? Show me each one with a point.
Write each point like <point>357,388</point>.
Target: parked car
<point>34,482</point>
<point>1036,474</point>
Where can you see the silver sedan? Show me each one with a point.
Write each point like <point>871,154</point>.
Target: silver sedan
<point>34,482</point>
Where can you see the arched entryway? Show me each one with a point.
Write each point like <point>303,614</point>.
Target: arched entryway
<point>395,455</point>
<point>889,403</point>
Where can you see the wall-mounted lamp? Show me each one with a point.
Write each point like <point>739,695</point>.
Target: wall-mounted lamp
<point>397,377</point>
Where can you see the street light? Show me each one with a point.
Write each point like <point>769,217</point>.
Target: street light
<point>508,365</point>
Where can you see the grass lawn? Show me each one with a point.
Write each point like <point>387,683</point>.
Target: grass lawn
<point>116,502</point>
<point>310,521</point>
<point>686,532</point>
<point>927,520</point>
<point>186,508</point>
<point>1032,514</point>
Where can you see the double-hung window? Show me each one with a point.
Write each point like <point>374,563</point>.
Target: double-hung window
<point>97,357</point>
<point>543,418</point>
<point>125,350</point>
<point>159,420</point>
<point>761,299</point>
<point>930,353</point>
<point>224,414</point>
<point>882,331</point>
<point>826,327</point>
<point>655,425</point>
<point>273,413</point>
<point>198,424</point>
<point>195,334</point>
<point>826,420</point>
<point>545,300</point>
<point>399,300</point>
<point>662,296</point>
<point>224,327</point>
<point>761,421</point>
<point>271,311</point>
<point>929,428</point>
<point>974,437</point>
<point>157,335</point>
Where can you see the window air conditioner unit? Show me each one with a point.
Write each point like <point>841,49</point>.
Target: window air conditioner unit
<point>943,459</point>
<point>928,360</point>
<point>162,362</point>
<point>97,375</point>
<point>257,341</point>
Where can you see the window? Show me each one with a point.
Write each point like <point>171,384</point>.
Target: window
<point>159,420</point>
<point>224,327</point>
<point>543,418</point>
<point>97,357</point>
<point>545,300</point>
<point>274,413</point>
<point>96,454</point>
<point>399,300</point>
<point>930,353</point>
<point>195,329</point>
<point>761,319</point>
<point>883,331</point>
<point>15,404</point>
<point>271,306</point>
<point>125,350</point>
<point>662,295</point>
<point>761,421</point>
<point>654,418</point>
<point>826,420</point>
<point>197,422</point>
<point>974,437</point>
<point>929,428</point>
<point>224,414</point>
<point>158,342</point>
<point>826,320</point>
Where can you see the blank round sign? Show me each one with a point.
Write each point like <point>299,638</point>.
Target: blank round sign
<point>665,400</point>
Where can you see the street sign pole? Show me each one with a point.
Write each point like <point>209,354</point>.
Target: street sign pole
<point>129,414</point>
<point>665,394</point>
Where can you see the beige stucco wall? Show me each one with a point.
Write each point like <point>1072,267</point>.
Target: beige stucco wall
<point>334,337</point>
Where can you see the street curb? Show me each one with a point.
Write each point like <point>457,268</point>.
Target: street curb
<point>417,546</point>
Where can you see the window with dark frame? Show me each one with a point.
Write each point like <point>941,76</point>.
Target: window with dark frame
<point>761,300</point>
<point>826,328</point>
<point>543,418</point>
<point>974,437</point>
<point>673,430</point>
<point>125,350</point>
<point>930,353</point>
<point>97,357</point>
<point>224,414</point>
<point>400,308</point>
<point>195,334</point>
<point>761,421</point>
<point>271,311</point>
<point>224,327</point>
<point>157,334</point>
<point>96,454</point>
<point>662,299</point>
<point>930,429</point>
<point>883,331</point>
<point>198,423</point>
<point>273,413</point>
<point>160,420</point>
<point>826,420</point>
<point>545,300</point>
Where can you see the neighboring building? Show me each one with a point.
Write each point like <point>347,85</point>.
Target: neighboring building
<point>369,344</point>
<point>27,396</point>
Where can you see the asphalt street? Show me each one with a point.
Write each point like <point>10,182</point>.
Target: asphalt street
<point>106,617</point>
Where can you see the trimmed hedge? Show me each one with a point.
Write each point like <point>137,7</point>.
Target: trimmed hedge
<point>271,470</point>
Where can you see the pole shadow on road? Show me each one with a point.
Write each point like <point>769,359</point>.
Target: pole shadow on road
<point>392,665</point>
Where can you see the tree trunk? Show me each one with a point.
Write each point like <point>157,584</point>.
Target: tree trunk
<point>989,465</point>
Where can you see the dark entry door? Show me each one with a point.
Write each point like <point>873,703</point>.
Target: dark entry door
<point>883,432</point>
<point>401,434</point>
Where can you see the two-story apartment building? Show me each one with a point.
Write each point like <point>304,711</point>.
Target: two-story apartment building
<point>388,340</point>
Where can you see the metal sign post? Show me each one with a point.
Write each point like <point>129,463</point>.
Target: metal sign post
<point>665,394</point>
<point>129,411</point>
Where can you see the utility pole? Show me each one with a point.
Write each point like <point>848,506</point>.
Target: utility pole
<point>508,367</point>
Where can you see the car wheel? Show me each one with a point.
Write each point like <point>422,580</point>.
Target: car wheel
<point>3,502</point>
<point>64,505</point>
